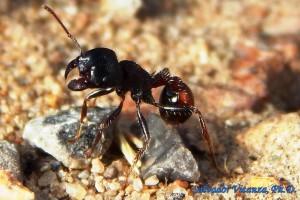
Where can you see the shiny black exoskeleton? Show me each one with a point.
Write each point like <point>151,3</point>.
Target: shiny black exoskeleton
<point>100,69</point>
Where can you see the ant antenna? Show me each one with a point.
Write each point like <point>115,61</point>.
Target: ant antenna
<point>63,26</point>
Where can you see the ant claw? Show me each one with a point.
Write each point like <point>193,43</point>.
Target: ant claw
<point>89,152</point>
<point>78,134</point>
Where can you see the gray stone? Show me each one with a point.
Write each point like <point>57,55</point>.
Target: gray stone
<point>52,134</point>
<point>10,160</point>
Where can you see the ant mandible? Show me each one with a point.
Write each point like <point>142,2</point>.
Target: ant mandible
<point>99,68</point>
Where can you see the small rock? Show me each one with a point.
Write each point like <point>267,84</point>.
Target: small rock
<point>108,194</point>
<point>47,178</point>
<point>166,155</point>
<point>99,185</point>
<point>145,196</point>
<point>52,134</point>
<point>128,7</point>
<point>13,189</point>
<point>182,184</point>
<point>89,197</point>
<point>75,190</point>
<point>276,140</point>
<point>111,172</point>
<point>10,160</point>
<point>84,174</point>
<point>137,184</point>
<point>118,165</point>
<point>238,170</point>
<point>152,180</point>
<point>114,186</point>
<point>129,189</point>
<point>97,166</point>
<point>99,197</point>
<point>85,182</point>
<point>120,195</point>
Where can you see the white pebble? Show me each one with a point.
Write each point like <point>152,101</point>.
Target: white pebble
<point>84,174</point>
<point>75,190</point>
<point>97,166</point>
<point>89,197</point>
<point>99,185</point>
<point>152,180</point>
<point>137,184</point>
<point>239,170</point>
<point>114,186</point>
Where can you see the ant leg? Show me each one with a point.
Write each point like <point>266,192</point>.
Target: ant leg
<point>145,130</point>
<point>103,126</point>
<point>93,104</point>
<point>205,133</point>
<point>83,116</point>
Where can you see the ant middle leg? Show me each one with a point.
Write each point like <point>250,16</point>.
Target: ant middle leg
<point>145,129</point>
<point>83,115</point>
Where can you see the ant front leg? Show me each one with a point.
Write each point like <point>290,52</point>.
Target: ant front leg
<point>104,125</point>
<point>83,115</point>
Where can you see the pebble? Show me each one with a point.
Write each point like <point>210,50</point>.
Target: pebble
<point>114,186</point>
<point>111,172</point>
<point>99,197</point>
<point>152,180</point>
<point>84,174</point>
<point>129,189</point>
<point>89,197</point>
<point>75,190</point>
<point>10,159</point>
<point>110,193</point>
<point>13,189</point>
<point>99,185</point>
<point>129,7</point>
<point>276,140</point>
<point>145,196</point>
<point>97,166</point>
<point>85,182</point>
<point>137,184</point>
<point>120,196</point>
<point>10,174</point>
<point>238,170</point>
<point>53,132</point>
<point>47,178</point>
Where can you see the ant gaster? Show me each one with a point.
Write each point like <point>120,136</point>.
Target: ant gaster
<point>99,68</point>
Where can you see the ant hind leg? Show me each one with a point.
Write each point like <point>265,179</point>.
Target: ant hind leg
<point>185,109</point>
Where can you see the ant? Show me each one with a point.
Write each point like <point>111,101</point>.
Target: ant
<point>100,69</point>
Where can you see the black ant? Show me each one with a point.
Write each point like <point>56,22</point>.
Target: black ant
<point>99,68</point>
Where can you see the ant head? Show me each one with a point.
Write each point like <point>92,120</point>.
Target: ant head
<point>98,67</point>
